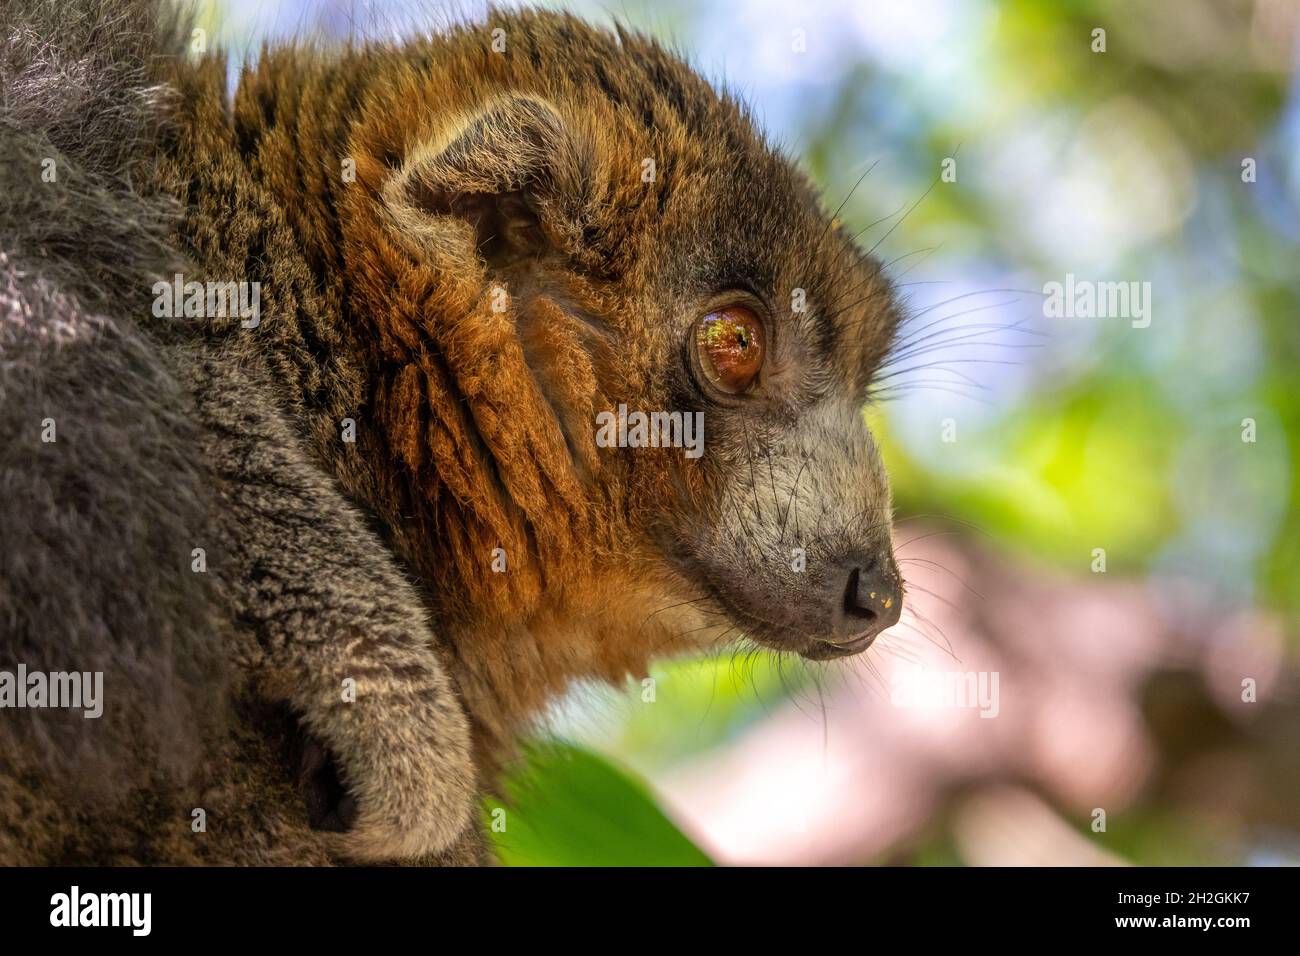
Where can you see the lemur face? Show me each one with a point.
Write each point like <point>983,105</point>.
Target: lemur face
<point>698,334</point>
<point>784,522</point>
<point>787,526</point>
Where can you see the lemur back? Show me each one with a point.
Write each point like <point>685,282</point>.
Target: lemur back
<point>262,653</point>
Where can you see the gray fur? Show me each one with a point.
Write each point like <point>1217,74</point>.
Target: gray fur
<point>163,447</point>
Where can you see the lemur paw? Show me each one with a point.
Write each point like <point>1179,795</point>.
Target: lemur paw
<point>387,784</point>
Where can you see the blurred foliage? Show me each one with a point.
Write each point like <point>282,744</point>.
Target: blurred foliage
<point>1093,453</point>
<point>567,806</point>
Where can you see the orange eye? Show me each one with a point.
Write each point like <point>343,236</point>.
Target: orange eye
<point>730,346</point>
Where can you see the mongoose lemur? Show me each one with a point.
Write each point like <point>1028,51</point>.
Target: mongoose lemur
<point>332,542</point>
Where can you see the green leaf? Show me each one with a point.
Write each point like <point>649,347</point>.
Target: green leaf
<point>568,806</point>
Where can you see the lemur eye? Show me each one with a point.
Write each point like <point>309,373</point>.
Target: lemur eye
<point>730,346</point>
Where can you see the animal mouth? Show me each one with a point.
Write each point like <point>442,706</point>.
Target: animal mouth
<point>784,637</point>
<point>827,649</point>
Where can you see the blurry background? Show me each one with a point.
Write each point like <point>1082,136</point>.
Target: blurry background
<point>1104,516</point>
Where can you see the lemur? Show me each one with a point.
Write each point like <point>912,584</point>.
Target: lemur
<point>332,560</point>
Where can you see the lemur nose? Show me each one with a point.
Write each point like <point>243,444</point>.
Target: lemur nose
<point>872,602</point>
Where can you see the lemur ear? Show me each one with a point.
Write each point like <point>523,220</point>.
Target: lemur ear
<point>497,172</point>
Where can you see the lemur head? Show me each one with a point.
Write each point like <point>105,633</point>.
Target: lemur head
<point>554,230</point>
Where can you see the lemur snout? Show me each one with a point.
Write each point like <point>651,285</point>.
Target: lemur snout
<point>870,603</point>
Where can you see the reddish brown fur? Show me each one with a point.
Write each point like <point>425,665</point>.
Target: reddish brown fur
<point>475,427</point>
